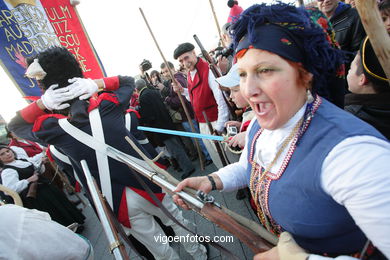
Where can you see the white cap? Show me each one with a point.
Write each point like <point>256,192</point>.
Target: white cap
<point>231,79</point>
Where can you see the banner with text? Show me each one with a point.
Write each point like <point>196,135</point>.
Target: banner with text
<point>28,27</point>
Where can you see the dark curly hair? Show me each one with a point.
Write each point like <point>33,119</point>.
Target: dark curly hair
<point>59,64</point>
<point>3,146</point>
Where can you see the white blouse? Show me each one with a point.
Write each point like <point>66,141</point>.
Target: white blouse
<point>356,174</point>
<point>10,177</point>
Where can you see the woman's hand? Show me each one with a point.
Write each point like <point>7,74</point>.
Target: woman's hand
<point>287,249</point>
<point>237,140</point>
<point>271,254</point>
<point>33,178</point>
<point>233,123</point>
<point>197,183</point>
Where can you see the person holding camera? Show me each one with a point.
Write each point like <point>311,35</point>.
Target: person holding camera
<point>224,57</point>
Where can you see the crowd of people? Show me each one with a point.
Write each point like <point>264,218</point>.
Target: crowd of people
<point>300,96</point>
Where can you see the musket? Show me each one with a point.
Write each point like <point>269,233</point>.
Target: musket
<point>216,22</point>
<point>220,151</point>
<point>200,155</point>
<point>375,29</point>
<point>217,73</point>
<point>257,238</point>
<point>116,246</point>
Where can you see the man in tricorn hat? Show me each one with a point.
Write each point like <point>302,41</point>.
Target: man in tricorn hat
<point>204,94</point>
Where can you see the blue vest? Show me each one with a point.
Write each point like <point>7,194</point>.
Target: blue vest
<point>297,201</point>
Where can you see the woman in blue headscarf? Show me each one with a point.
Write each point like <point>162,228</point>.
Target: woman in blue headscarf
<point>318,175</point>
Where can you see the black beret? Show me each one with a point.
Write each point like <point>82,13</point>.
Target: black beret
<point>183,48</point>
<point>371,67</point>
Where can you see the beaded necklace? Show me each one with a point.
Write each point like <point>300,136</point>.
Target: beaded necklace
<point>258,174</point>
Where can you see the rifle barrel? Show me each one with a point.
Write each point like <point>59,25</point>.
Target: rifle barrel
<point>115,244</point>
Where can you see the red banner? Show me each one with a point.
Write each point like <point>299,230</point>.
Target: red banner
<point>70,32</point>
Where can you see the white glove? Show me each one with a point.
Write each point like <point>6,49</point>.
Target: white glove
<point>82,88</point>
<point>55,98</point>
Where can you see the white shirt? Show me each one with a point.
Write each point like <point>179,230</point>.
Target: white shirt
<point>223,110</point>
<point>356,174</point>
<point>10,177</point>
<point>31,234</point>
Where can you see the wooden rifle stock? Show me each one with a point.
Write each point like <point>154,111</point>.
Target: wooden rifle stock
<point>376,32</point>
<point>253,235</point>
<point>217,73</point>
<point>255,242</point>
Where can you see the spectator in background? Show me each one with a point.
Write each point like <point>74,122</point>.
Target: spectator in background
<point>384,9</point>
<point>370,97</point>
<point>154,114</point>
<point>173,101</point>
<point>351,3</point>
<point>337,84</point>
<point>235,11</point>
<point>204,95</point>
<point>225,56</point>
<point>347,25</point>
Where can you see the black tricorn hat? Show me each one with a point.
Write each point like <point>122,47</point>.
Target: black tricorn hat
<point>371,66</point>
<point>183,48</point>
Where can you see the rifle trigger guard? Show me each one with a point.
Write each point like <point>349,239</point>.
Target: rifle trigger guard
<point>206,198</point>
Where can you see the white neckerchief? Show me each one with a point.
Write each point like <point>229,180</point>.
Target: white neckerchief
<point>269,142</point>
<point>19,164</point>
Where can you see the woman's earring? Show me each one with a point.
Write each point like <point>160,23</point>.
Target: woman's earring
<point>310,98</point>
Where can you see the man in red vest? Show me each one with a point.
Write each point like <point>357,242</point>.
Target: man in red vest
<point>204,93</point>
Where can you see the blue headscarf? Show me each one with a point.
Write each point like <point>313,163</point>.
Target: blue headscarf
<point>288,32</point>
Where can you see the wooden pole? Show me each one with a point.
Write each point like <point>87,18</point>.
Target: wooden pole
<point>178,94</point>
<point>376,32</point>
<point>216,22</point>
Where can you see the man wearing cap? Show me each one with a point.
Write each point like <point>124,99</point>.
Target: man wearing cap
<point>204,94</point>
<point>370,89</point>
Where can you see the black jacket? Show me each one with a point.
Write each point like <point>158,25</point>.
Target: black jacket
<point>153,111</point>
<point>372,108</point>
<point>349,29</point>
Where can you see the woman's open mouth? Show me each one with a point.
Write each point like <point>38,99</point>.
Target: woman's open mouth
<point>263,108</point>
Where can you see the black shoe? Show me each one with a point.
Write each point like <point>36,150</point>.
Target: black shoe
<point>179,169</point>
<point>193,157</point>
<point>208,162</point>
<point>187,174</point>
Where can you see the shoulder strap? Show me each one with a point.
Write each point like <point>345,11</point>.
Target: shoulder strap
<point>101,158</point>
<point>97,145</point>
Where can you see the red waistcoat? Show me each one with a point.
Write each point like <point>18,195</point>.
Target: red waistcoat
<point>202,98</point>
